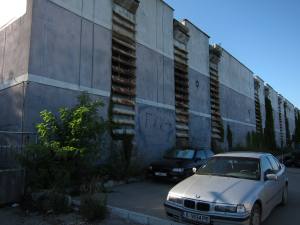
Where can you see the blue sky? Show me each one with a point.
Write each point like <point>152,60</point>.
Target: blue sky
<point>262,34</point>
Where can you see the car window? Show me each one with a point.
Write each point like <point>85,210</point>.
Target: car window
<point>180,154</point>
<point>274,164</point>
<point>227,166</point>
<point>266,165</point>
<point>209,153</point>
<point>200,155</point>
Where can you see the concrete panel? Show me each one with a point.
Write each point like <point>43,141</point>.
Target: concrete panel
<point>102,59</point>
<point>239,134</point>
<point>236,106</point>
<point>155,131</point>
<point>55,43</point>
<point>155,79</point>
<point>70,49</point>
<point>235,75</point>
<point>155,26</point>
<point>11,101</point>
<point>199,132</point>
<point>14,47</point>
<point>86,57</point>
<point>40,97</point>
<point>98,11</point>
<point>198,49</point>
<point>199,92</point>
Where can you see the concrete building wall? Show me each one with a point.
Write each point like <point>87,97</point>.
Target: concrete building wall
<point>199,87</point>
<point>291,117</point>
<point>14,47</point>
<point>155,109</point>
<point>236,98</point>
<point>68,48</point>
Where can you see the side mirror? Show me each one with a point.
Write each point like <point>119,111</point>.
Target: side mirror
<point>271,177</point>
<point>194,170</point>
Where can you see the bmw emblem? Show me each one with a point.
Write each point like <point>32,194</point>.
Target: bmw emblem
<point>198,196</point>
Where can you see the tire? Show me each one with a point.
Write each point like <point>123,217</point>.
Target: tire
<point>255,218</point>
<point>284,200</point>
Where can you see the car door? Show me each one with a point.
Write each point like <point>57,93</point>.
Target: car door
<point>269,187</point>
<point>279,171</point>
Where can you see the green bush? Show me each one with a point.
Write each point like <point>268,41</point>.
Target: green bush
<point>70,145</point>
<point>93,207</point>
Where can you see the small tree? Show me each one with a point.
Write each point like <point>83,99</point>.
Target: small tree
<point>269,131</point>
<point>70,143</point>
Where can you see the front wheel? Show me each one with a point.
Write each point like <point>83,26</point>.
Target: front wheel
<point>255,218</point>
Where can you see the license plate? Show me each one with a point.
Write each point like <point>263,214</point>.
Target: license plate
<point>196,217</point>
<point>159,174</point>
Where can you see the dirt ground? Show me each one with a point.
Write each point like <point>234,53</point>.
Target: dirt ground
<point>15,216</point>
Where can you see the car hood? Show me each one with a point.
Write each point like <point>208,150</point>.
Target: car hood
<point>172,163</point>
<point>216,189</point>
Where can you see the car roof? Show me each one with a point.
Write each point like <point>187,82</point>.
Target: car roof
<point>256,155</point>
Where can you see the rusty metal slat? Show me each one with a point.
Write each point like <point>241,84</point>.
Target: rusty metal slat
<point>182,135</point>
<point>183,105</point>
<point>120,51</point>
<point>123,18</point>
<point>123,81</point>
<point>123,91</point>
<point>180,112</point>
<point>120,22</point>
<point>123,62</point>
<point>181,127</point>
<point>124,122</point>
<point>181,90</point>
<point>129,40</point>
<point>123,131</point>
<point>181,120</point>
<point>118,111</point>
<point>176,48</point>
<point>182,98</point>
<point>124,43</point>
<point>125,72</point>
<point>122,101</point>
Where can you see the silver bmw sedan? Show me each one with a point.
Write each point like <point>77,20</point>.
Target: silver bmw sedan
<point>231,188</point>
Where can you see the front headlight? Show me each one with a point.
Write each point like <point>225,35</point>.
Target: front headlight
<point>175,199</point>
<point>177,170</point>
<point>241,209</point>
<point>226,208</point>
<point>150,168</point>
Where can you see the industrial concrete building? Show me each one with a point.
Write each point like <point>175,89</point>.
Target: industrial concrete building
<point>167,85</point>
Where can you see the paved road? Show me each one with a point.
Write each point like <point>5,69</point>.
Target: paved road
<point>148,198</point>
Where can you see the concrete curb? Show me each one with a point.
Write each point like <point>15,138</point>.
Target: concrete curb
<point>139,217</point>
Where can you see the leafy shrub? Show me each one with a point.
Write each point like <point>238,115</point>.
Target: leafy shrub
<point>93,207</point>
<point>69,146</point>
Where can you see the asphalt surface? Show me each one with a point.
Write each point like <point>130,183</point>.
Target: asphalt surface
<point>148,198</point>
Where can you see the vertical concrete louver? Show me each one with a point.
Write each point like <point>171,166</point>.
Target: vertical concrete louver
<point>257,106</point>
<point>181,38</point>
<point>215,53</point>
<point>280,101</point>
<point>123,88</point>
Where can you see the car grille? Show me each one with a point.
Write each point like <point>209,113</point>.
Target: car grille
<point>189,204</point>
<point>200,206</point>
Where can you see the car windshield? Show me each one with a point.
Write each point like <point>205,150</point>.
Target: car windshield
<point>237,167</point>
<point>180,154</point>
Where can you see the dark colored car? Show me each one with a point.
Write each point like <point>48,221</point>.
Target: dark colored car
<point>179,164</point>
<point>296,156</point>
<point>292,160</point>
